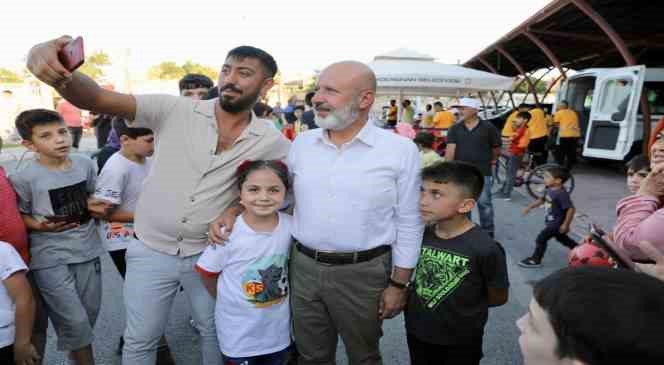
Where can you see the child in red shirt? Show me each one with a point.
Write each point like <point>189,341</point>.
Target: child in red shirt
<point>517,150</point>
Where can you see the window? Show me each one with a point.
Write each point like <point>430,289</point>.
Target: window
<point>615,98</point>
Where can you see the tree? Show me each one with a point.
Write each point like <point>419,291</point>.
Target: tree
<point>196,68</point>
<point>169,70</point>
<point>540,87</point>
<point>9,76</point>
<point>94,63</point>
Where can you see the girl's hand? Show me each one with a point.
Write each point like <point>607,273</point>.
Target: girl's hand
<point>25,354</point>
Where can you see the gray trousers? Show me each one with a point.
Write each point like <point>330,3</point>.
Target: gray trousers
<point>341,300</point>
<point>153,280</point>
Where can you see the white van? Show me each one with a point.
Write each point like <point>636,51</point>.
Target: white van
<point>608,103</point>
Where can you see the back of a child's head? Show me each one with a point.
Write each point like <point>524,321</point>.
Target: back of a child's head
<point>247,167</point>
<point>26,121</point>
<point>524,115</point>
<point>424,139</point>
<point>558,172</point>
<point>121,128</point>
<point>604,316</point>
<point>462,175</point>
<point>638,163</point>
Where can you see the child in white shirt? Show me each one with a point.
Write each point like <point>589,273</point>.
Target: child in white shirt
<point>17,310</point>
<point>249,274</point>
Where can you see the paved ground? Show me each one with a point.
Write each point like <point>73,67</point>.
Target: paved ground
<point>598,189</point>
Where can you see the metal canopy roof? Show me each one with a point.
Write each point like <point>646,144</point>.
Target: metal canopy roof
<point>569,33</point>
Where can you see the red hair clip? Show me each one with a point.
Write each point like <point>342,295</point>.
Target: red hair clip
<point>243,167</point>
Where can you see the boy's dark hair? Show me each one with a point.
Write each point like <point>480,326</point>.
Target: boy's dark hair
<point>558,172</point>
<point>604,316</point>
<point>260,109</point>
<point>121,128</point>
<point>523,106</point>
<point>393,101</point>
<point>638,163</point>
<point>308,97</point>
<point>438,103</point>
<point>195,81</point>
<point>213,93</point>
<point>268,62</point>
<point>406,102</point>
<point>424,139</point>
<point>299,107</point>
<point>247,167</point>
<point>524,115</point>
<point>463,175</point>
<point>29,119</point>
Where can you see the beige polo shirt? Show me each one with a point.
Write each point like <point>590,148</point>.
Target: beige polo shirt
<point>188,185</point>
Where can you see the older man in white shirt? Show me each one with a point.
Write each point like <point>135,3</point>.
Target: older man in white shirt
<point>357,222</point>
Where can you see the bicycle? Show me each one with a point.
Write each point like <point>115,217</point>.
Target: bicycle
<point>529,174</point>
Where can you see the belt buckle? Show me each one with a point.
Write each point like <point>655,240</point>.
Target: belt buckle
<point>317,258</point>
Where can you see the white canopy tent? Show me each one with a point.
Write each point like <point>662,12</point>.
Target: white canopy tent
<point>405,72</point>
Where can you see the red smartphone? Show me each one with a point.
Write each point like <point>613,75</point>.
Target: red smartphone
<point>72,55</point>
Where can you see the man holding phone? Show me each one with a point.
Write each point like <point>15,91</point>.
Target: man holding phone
<point>201,145</point>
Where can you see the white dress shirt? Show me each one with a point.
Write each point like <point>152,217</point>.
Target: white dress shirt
<point>360,196</point>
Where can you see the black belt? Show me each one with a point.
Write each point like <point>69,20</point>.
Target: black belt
<point>342,258</point>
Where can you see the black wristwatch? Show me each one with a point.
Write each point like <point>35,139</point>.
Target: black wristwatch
<point>399,285</point>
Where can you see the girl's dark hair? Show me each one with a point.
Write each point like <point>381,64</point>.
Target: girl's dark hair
<point>247,167</point>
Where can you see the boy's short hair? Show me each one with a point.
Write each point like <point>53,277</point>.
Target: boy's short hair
<point>424,139</point>
<point>265,59</point>
<point>299,107</point>
<point>26,121</point>
<point>524,115</point>
<point>558,172</point>
<point>463,175</point>
<point>438,103</point>
<point>195,81</point>
<point>121,128</point>
<point>604,316</point>
<point>638,163</point>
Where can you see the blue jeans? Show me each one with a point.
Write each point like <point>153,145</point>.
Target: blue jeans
<point>513,165</point>
<point>485,206</point>
<point>275,358</point>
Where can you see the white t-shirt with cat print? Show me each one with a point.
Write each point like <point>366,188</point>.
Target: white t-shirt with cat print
<point>252,310</point>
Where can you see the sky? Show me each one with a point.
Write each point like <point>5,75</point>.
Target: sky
<point>303,36</point>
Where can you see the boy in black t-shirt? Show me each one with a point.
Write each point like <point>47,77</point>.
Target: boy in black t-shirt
<point>559,212</point>
<point>460,274</point>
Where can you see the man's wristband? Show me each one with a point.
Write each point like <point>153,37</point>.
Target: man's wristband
<point>399,285</point>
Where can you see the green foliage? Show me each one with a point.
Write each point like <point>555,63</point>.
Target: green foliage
<point>169,70</point>
<point>94,63</point>
<point>9,76</point>
<point>540,86</point>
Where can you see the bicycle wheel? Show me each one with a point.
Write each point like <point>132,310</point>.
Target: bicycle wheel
<point>535,181</point>
<point>500,171</point>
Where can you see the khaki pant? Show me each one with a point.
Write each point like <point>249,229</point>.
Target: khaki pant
<point>341,300</point>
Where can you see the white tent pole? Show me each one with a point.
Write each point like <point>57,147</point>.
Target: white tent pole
<point>399,104</point>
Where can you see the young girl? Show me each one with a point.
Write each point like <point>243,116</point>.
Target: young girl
<point>249,275</point>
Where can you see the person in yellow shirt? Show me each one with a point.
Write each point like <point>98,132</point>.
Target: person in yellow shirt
<point>424,142</point>
<point>539,135</point>
<point>508,128</point>
<point>442,119</point>
<point>427,117</point>
<point>569,132</point>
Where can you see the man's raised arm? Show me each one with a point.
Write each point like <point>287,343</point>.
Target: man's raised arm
<point>76,87</point>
